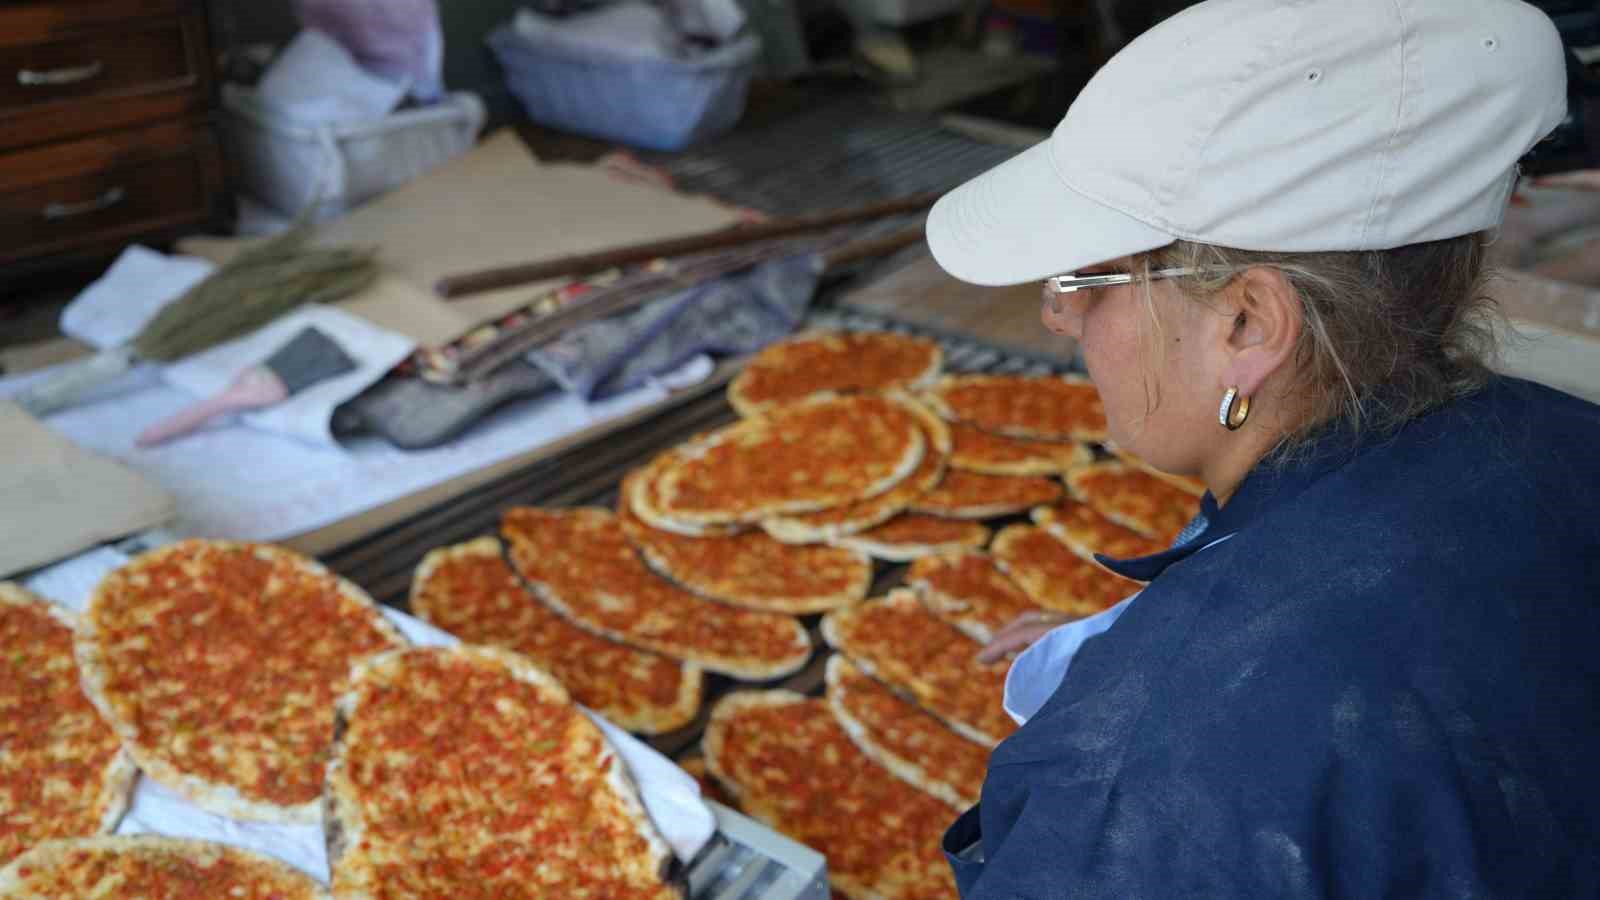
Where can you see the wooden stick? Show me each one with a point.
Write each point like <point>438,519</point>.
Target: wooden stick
<point>869,248</point>
<point>581,264</point>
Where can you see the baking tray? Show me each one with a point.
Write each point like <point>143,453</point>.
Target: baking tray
<point>589,474</point>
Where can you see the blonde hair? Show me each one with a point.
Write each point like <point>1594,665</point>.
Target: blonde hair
<point>1387,334</point>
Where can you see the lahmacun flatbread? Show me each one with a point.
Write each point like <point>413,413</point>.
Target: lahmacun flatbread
<point>579,562</point>
<point>1049,407</point>
<point>896,640</point>
<point>642,497</point>
<point>751,569</point>
<point>468,772</point>
<point>907,537</point>
<point>470,591</point>
<point>1054,576</point>
<point>803,457</point>
<point>63,772</point>
<point>710,787</point>
<point>152,867</point>
<point>1086,532</point>
<point>969,495</point>
<point>1184,482</point>
<point>831,363</point>
<point>918,748</point>
<point>792,766</point>
<point>828,524</point>
<point>976,450</point>
<point>969,591</point>
<point>1135,499</point>
<point>218,663</point>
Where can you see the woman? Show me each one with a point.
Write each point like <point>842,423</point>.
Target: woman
<point>1370,668</point>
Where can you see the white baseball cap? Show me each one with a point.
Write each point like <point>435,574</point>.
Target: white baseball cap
<point>1289,125</point>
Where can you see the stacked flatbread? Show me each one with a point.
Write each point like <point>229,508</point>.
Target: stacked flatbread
<point>748,568</point>
<point>218,665</point>
<point>470,591</point>
<point>968,590</point>
<point>792,765</point>
<point>63,772</point>
<point>832,364</point>
<point>1054,576</point>
<point>909,741</point>
<point>261,687</point>
<point>1040,409</point>
<point>152,866</point>
<point>580,564</point>
<point>896,640</point>
<point>788,461</point>
<point>849,448</point>
<point>823,470</point>
<point>1135,499</point>
<point>469,767</point>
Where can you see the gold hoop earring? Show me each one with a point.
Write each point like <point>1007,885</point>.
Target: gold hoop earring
<point>1229,417</point>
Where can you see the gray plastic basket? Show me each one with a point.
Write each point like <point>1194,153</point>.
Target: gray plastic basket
<point>658,104</point>
<point>288,165</point>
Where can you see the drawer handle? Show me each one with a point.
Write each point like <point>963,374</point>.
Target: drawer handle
<point>68,210</point>
<point>58,77</point>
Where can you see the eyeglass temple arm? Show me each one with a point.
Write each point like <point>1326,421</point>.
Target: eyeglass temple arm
<point>1066,284</point>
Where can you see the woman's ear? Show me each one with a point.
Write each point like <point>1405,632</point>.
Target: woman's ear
<point>1264,330</point>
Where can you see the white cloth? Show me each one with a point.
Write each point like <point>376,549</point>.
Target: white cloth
<point>670,795</point>
<point>315,81</point>
<point>112,310</point>
<point>1038,671</point>
<point>721,20</point>
<point>629,30</point>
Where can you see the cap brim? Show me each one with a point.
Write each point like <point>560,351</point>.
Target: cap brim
<point>1019,222</point>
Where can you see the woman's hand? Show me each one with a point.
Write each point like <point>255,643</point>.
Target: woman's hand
<point>1019,634</point>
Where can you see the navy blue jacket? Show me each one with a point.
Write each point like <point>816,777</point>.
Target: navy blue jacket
<point>1385,684</point>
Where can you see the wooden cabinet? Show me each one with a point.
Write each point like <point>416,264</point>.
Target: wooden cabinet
<point>106,128</point>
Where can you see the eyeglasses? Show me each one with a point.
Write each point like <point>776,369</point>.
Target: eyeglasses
<point>1070,282</point>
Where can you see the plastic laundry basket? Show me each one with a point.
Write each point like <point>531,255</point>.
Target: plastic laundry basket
<point>659,104</point>
<point>288,165</point>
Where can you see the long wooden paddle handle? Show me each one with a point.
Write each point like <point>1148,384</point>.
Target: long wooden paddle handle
<point>584,263</point>
<point>872,247</point>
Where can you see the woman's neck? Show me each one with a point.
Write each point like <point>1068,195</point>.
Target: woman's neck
<point>1238,452</point>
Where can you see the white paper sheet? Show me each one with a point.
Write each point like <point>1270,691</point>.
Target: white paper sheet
<point>308,415</point>
<point>669,794</point>
<point>239,483</point>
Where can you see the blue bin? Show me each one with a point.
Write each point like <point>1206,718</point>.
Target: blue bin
<point>657,104</point>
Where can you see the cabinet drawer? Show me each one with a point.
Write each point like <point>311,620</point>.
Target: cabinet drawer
<point>116,192</point>
<point>132,59</point>
<point>76,68</point>
<point>37,21</point>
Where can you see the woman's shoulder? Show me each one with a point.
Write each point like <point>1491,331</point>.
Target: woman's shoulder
<point>1512,398</point>
<point>1476,525</point>
<point>1509,464</point>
